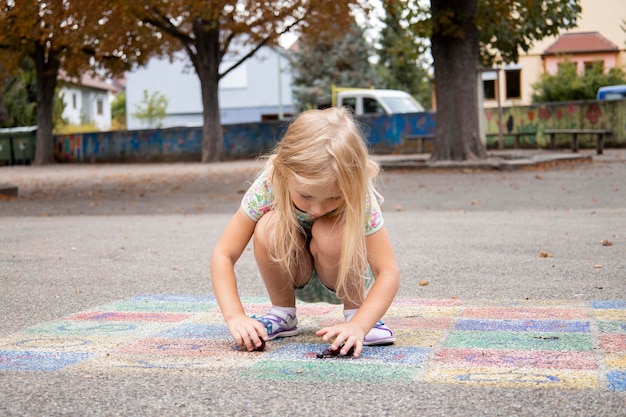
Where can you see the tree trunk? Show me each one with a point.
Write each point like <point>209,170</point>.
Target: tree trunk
<point>455,48</point>
<point>206,63</point>
<point>47,69</point>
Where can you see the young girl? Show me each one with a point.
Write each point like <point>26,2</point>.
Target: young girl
<point>318,237</point>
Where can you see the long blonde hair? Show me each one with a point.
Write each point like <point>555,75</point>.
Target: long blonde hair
<point>323,147</point>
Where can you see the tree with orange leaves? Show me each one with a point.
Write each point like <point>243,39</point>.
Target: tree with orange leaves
<point>73,36</point>
<point>210,31</point>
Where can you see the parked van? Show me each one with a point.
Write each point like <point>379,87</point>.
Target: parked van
<point>612,92</point>
<point>377,102</point>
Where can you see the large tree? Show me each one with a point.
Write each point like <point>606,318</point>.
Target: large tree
<point>209,31</point>
<point>72,35</point>
<point>466,34</point>
<point>319,63</point>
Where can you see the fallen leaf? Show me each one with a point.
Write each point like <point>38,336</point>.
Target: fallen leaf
<point>597,266</point>
<point>544,254</point>
<point>424,283</point>
<point>606,243</point>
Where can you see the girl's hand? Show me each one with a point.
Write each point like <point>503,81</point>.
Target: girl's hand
<point>350,335</point>
<point>247,332</point>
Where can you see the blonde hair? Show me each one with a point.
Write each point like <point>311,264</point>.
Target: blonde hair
<point>323,148</point>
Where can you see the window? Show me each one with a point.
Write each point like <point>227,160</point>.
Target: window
<point>490,84</point>
<point>74,100</point>
<point>350,102</point>
<point>99,107</point>
<point>513,82</point>
<point>489,89</point>
<point>589,65</point>
<point>372,106</point>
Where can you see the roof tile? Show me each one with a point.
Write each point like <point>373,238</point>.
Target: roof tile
<point>583,42</point>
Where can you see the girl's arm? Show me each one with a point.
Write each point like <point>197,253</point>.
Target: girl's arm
<point>387,281</point>
<point>246,331</point>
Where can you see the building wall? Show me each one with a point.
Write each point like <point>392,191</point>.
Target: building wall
<point>81,106</point>
<point>551,63</point>
<point>73,104</point>
<point>255,88</point>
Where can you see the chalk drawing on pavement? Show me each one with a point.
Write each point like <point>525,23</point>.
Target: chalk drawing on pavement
<point>474,343</point>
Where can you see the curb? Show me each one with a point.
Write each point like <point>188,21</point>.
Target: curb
<point>495,161</point>
<point>8,190</point>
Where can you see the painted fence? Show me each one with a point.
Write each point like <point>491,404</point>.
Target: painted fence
<point>533,120</point>
<point>386,134</point>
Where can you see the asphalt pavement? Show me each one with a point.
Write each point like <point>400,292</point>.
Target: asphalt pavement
<point>512,301</point>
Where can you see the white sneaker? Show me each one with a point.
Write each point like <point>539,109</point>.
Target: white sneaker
<point>380,334</point>
<point>278,324</point>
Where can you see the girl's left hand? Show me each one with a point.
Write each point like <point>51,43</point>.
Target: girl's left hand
<point>347,334</point>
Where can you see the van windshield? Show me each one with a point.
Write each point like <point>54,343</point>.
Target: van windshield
<point>402,104</point>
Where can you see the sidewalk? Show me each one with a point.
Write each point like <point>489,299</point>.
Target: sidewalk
<point>512,299</point>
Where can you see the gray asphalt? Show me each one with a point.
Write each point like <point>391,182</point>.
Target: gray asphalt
<point>79,236</point>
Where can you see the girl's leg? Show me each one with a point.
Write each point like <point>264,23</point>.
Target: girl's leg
<point>278,281</point>
<point>326,249</point>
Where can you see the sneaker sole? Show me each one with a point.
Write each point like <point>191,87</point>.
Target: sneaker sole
<point>284,333</point>
<point>381,342</point>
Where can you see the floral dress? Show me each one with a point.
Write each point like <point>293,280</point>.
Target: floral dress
<point>259,198</point>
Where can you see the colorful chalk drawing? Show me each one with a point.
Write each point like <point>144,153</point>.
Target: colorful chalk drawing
<point>552,344</point>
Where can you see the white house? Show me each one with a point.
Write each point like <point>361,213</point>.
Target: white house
<point>87,100</point>
<point>258,89</point>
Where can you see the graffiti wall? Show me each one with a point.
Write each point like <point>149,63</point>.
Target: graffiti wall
<point>173,144</point>
<point>533,120</point>
<point>385,134</point>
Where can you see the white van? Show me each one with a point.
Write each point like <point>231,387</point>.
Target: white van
<point>371,102</point>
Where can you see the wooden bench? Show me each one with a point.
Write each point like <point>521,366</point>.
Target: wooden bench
<point>420,139</point>
<point>516,137</point>
<point>600,133</point>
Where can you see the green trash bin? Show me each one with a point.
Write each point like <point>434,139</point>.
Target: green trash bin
<point>22,143</point>
<point>6,154</point>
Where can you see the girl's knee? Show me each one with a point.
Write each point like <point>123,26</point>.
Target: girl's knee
<point>263,230</point>
<point>326,238</point>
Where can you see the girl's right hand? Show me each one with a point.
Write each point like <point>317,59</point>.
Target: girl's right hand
<point>247,332</point>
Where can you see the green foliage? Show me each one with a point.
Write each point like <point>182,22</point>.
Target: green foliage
<point>66,129</point>
<point>320,63</point>
<point>507,27</point>
<point>58,106</point>
<point>118,110</point>
<point>152,109</point>
<point>402,64</point>
<point>567,85</point>
<point>18,97</point>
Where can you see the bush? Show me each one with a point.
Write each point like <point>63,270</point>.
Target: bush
<point>567,85</point>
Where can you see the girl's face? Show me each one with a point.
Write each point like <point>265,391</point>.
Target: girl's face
<point>315,200</point>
